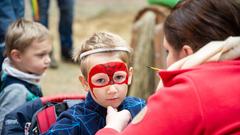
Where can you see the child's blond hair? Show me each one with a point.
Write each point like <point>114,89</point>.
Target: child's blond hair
<point>102,40</point>
<point>22,33</point>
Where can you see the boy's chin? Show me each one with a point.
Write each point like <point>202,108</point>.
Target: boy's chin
<point>113,105</point>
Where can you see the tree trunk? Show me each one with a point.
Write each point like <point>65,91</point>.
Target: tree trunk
<point>147,38</point>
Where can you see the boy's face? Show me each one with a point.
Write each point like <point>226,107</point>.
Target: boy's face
<point>35,59</point>
<point>108,79</point>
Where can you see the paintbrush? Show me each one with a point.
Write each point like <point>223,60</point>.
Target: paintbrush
<point>154,68</point>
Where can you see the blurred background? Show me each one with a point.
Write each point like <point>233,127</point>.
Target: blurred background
<point>89,16</point>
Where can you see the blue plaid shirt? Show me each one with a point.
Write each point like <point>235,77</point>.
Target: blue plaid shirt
<point>88,117</point>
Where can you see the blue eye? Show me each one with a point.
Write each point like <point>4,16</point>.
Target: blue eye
<point>101,80</point>
<point>40,55</point>
<point>118,77</point>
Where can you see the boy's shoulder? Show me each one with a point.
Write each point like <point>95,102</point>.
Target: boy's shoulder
<point>11,89</point>
<point>7,80</point>
<point>16,92</point>
<point>133,105</point>
<point>10,83</point>
<point>16,88</point>
<point>75,109</point>
<point>133,100</point>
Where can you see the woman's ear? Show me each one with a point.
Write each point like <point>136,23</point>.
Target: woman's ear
<point>84,83</point>
<point>130,75</point>
<point>186,50</point>
<point>16,55</point>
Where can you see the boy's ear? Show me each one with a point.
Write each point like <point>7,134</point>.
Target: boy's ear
<point>84,83</point>
<point>130,75</point>
<point>16,55</point>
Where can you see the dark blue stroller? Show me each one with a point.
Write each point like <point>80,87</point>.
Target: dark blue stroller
<point>37,116</point>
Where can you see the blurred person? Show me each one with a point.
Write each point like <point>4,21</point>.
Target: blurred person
<point>200,92</point>
<point>28,45</point>
<point>104,62</point>
<point>66,8</point>
<point>10,11</point>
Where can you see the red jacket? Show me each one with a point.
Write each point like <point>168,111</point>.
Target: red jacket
<point>204,100</point>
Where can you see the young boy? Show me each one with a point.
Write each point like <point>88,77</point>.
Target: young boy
<point>104,61</point>
<point>28,45</point>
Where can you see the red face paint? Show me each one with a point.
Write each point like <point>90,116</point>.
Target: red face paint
<point>108,74</point>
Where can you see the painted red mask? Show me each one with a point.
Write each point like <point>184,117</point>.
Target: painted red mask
<point>108,74</point>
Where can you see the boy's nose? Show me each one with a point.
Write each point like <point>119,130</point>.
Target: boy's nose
<point>47,60</point>
<point>112,89</point>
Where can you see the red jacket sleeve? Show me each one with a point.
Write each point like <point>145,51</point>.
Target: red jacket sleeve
<point>107,131</point>
<point>172,110</point>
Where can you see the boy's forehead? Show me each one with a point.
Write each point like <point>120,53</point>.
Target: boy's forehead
<point>109,68</point>
<point>43,44</point>
<point>100,58</point>
<point>111,65</point>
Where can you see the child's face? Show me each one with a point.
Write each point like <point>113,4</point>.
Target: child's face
<point>35,59</point>
<point>108,79</point>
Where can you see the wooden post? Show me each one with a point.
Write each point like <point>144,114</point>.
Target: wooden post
<point>143,80</point>
<point>147,36</point>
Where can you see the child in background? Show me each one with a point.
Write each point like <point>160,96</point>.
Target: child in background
<point>104,61</point>
<point>28,45</point>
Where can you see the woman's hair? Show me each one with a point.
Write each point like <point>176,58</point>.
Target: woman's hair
<point>197,22</point>
<point>22,33</point>
<point>102,40</point>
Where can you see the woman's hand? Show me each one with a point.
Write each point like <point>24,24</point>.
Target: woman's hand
<point>117,120</point>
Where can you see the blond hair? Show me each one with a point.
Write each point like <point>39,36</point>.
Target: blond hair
<point>22,33</point>
<point>102,40</point>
